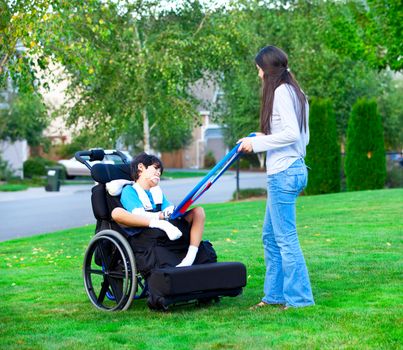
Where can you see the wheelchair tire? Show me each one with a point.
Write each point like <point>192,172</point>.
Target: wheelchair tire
<point>117,275</point>
<point>135,278</point>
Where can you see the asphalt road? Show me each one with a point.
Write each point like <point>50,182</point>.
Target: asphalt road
<point>35,211</point>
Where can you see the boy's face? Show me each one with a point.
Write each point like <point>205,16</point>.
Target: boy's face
<point>150,174</point>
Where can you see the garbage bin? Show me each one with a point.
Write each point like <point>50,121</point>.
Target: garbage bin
<point>53,178</point>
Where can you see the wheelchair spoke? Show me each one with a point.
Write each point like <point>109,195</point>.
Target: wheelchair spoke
<point>104,259</point>
<point>116,288</point>
<point>104,289</point>
<point>117,275</point>
<point>96,272</point>
<point>113,258</point>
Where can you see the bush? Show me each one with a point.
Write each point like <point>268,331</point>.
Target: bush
<point>209,160</point>
<point>365,164</point>
<point>323,151</point>
<point>5,171</point>
<point>36,167</point>
<point>249,193</point>
<point>249,161</point>
<point>79,142</point>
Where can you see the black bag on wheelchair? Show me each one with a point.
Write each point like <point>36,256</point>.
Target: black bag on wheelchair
<point>157,256</point>
<point>153,249</point>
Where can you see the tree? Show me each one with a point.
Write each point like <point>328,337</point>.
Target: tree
<point>18,19</point>
<point>130,65</point>
<point>365,164</point>
<point>25,119</point>
<point>323,151</point>
<point>328,54</point>
<point>26,116</point>
<point>391,109</point>
<point>384,32</point>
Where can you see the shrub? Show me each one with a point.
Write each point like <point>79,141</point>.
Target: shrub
<point>209,160</point>
<point>365,164</point>
<point>323,151</point>
<point>249,193</point>
<point>5,171</point>
<point>249,161</point>
<point>36,166</point>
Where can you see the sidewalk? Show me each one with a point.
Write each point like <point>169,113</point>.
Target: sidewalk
<point>39,192</point>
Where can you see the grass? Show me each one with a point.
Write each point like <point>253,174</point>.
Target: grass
<point>169,175</point>
<point>352,244</point>
<point>13,187</point>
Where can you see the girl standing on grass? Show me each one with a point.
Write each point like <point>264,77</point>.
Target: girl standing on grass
<point>285,134</point>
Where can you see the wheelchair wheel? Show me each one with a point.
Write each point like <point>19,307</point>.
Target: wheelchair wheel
<point>109,271</point>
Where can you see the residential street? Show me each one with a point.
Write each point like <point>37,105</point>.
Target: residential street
<point>36,211</point>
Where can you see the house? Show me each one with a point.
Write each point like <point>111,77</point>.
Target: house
<point>206,138</point>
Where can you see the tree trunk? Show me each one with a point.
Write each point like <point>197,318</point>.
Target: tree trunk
<point>146,124</point>
<point>261,157</point>
<point>146,131</point>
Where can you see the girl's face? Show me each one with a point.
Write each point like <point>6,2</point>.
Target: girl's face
<point>260,72</point>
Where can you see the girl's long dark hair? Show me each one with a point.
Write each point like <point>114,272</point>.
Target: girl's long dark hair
<point>274,63</point>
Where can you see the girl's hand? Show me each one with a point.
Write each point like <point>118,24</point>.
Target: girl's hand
<point>245,145</point>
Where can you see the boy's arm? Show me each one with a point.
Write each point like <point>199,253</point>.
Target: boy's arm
<point>123,217</point>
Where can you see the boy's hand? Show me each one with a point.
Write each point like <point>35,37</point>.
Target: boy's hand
<point>167,212</point>
<point>172,231</point>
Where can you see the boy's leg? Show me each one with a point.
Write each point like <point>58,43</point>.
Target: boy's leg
<point>195,218</point>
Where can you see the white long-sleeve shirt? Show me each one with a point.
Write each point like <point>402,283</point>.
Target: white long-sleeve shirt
<point>286,143</point>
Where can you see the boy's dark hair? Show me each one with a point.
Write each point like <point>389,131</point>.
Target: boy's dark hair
<point>146,160</point>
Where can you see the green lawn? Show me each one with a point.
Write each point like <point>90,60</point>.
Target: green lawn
<point>13,187</point>
<point>353,247</point>
<point>182,174</point>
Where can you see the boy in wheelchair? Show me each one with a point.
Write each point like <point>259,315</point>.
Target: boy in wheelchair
<point>145,206</point>
<point>139,249</point>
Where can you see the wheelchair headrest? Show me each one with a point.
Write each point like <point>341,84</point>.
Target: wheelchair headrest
<point>97,154</point>
<point>104,173</point>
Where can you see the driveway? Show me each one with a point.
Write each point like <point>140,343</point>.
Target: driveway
<point>36,211</point>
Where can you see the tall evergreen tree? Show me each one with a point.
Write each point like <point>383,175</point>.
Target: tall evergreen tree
<point>323,151</point>
<point>365,163</point>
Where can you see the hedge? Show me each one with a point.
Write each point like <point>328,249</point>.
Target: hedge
<point>36,166</point>
<point>365,163</point>
<point>323,151</point>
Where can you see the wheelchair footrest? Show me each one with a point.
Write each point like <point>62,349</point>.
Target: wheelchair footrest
<point>197,282</point>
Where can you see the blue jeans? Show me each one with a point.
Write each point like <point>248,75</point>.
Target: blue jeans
<point>286,281</point>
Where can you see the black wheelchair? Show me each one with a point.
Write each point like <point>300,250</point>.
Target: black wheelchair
<point>113,278</point>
